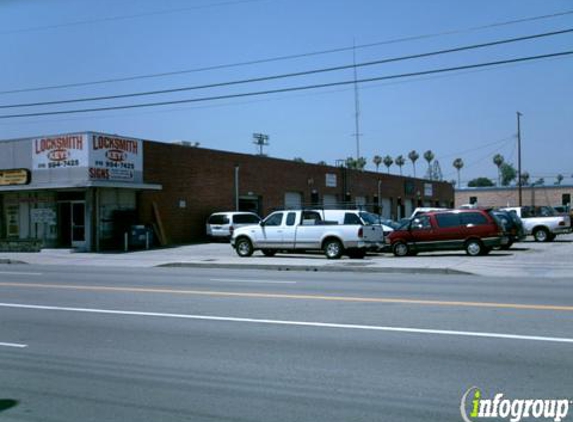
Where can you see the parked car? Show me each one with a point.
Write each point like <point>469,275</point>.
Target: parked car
<point>512,227</point>
<point>542,222</point>
<point>221,225</point>
<point>375,229</point>
<point>388,225</point>
<point>423,210</point>
<point>475,231</point>
<point>296,230</point>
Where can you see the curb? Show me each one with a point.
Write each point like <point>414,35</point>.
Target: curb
<point>11,261</point>
<point>329,268</point>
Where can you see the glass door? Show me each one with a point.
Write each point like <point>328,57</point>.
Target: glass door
<point>78,220</point>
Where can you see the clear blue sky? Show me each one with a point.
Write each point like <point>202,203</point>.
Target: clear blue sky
<point>459,114</point>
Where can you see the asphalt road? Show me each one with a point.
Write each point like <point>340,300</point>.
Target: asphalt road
<point>168,344</point>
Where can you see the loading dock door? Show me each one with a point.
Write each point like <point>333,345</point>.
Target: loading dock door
<point>293,200</point>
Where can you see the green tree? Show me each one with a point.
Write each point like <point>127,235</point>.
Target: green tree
<point>480,182</point>
<point>413,156</point>
<point>525,178</point>
<point>298,160</point>
<point>498,160</point>
<point>388,161</point>
<point>377,160</point>
<point>558,179</point>
<point>356,164</point>
<point>429,156</point>
<point>508,174</point>
<point>322,163</point>
<point>400,161</point>
<point>458,165</point>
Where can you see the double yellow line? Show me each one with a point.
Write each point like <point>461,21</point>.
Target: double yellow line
<point>385,300</point>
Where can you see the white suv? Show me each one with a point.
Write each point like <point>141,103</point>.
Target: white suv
<point>221,225</point>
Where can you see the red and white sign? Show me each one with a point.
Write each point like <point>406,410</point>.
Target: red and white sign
<point>59,152</point>
<point>114,158</point>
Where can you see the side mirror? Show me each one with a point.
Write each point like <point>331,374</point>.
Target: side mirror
<point>262,223</point>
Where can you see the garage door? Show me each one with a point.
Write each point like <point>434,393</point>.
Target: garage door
<point>293,200</point>
<point>386,208</point>
<point>329,201</point>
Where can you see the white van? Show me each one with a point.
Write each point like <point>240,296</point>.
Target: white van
<point>221,225</point>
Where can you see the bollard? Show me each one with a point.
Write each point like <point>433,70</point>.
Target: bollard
<point>125,244</point>
<point>147,239</point>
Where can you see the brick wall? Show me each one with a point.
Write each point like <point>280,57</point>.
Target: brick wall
<point>204,179</point>
<point>503,197</point>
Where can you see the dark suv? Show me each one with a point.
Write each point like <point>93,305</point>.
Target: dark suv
<point>475,231</point>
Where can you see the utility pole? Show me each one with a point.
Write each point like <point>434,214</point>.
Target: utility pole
<point>260,140</point>
<point>519,181</point>
<point>356,105</point>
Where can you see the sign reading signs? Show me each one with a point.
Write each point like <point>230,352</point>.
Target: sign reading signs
<point>330,180</point>
<point>60,152</point>
<point>428,189</point>
<point>14,177</point>
<point>114,158</point>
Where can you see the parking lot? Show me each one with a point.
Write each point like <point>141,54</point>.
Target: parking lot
<point>524,259</point>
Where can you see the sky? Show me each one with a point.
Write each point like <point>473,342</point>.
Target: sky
<point>468,114</point>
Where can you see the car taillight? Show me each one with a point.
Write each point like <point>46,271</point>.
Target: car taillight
<point>361,232</point>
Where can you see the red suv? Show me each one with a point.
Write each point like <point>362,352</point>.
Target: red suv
<point>476,231</point>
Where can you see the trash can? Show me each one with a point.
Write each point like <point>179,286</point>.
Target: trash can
<point>140,236</point>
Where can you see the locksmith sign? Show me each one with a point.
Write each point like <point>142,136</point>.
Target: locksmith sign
<point>114,158</point>
<point>98,156</point>
<point>59,152</point>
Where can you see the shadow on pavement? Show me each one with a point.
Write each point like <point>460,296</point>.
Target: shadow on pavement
<point>6,404</point>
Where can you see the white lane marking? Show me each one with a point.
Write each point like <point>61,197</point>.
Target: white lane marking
<point>20,346</point>
<point>233,280</point>
<point>297,323</point>
<point>18,273</point>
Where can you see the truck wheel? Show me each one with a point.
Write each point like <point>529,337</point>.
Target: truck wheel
<point>541,234</point>
<point>474,247</point>
<point>269,252</point>
<point>333,249</point>
<point>357,254</point>
<point>244,247</point>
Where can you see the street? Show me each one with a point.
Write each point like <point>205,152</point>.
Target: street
<point>175,344</point>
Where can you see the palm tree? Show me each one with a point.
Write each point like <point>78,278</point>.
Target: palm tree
<point>525,178</point>
<point>388,161</point>
<point>498,160</point>
<point>400,161</point>
<point>458,165</point>
<point>559,178</point>
<point>429,156</point>
<point>377,160</point>
<point>413,156</point>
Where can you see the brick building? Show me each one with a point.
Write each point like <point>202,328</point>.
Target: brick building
<point>84,190</point>
<point>551,195</point>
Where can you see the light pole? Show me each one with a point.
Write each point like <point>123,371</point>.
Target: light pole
<point>519,182</point>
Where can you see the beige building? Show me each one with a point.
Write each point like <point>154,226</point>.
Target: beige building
<point>551,195</point>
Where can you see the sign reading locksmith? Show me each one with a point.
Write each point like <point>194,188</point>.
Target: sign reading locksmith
<point>114,158</point>
<point>59,152</point>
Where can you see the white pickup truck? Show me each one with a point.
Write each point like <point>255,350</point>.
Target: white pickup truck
<point>542,222</point>
<point>297,230</point>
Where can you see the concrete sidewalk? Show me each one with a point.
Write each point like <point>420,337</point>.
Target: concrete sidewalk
<point>527,259</point>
